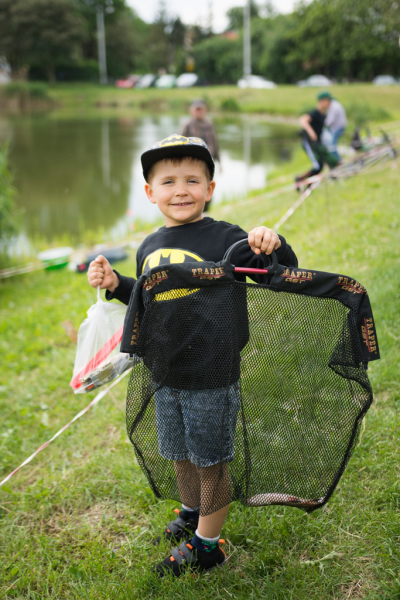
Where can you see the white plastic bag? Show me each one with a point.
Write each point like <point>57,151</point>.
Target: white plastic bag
<point>98,359</point>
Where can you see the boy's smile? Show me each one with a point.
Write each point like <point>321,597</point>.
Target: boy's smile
<point>180,190</point>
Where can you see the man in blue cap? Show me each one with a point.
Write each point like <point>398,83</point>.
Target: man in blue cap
<point>312,124</point>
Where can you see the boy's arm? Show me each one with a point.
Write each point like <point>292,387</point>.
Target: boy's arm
<point>245,257</point>
<point>123,290</point>
<point>117,286</point>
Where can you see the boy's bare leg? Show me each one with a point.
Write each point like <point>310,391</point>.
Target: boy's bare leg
<point>215,491</point>
<point>188,483</point>
<point>211,525</point>
<point>205,487</point>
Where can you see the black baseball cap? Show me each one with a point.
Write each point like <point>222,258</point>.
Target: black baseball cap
<point>176,146</point>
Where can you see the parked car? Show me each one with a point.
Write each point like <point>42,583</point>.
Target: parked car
<point>146,81</point>
<point>187,80</point>
<point>315,81</point>
<point>384,80</point>
<point>256,82</point>
<point>129,82</point>
<point>166,82</point>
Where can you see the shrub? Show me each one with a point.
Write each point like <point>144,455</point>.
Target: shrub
<point>26,91</point>
<point>230,105</point>
<point>361,114</point>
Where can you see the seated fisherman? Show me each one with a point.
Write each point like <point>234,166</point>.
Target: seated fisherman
<point>312,124</point>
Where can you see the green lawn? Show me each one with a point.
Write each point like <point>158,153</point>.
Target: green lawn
<point>286,100</point>
<point>77,522</point>
<point>362,101</point>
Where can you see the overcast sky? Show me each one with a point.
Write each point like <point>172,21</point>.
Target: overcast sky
<point>197,11</point>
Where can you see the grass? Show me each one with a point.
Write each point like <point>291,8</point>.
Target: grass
<point>362,101</point>
<point>77,522</point>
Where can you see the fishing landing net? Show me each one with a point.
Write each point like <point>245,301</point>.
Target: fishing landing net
<point>260,388</point>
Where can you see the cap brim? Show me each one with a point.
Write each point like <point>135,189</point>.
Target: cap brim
<point>150,157</point>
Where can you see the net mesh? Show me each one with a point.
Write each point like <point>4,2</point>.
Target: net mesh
<point>246,392</point>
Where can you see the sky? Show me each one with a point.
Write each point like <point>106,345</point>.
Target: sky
<point>197,11</point>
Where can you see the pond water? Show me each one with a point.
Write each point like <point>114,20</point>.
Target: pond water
<point>76,175</point>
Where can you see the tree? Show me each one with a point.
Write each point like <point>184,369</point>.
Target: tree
<point>271,42</point>
<point>40,31</point>
<point>235,15</point>
<point>351,38</point>
<point>125,32</point>
<point>219,60</point>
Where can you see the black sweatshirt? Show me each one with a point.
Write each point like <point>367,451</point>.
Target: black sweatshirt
<point>205,240</point>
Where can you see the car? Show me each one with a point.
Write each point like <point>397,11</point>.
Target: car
<point>256,82</point>
<point>187,80</point>
<point>127,83</point>
<point>315,81</point>
<point>146,81</point>
<point>384,80</point>
<point>166,82</point>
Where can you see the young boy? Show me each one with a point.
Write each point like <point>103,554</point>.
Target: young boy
<point>179,175</point>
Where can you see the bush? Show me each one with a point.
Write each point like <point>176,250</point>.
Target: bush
<point>361,114</point>
<point>230,105</point>
<point>85,70</point>
<point>8,209</point>
<point>26,91</point>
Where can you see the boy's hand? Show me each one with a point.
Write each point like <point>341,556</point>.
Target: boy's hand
<point>262,239</point>
<point>100,273</point>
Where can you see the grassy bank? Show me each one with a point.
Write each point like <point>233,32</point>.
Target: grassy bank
<point>362,101</point>
<point>77,522</point>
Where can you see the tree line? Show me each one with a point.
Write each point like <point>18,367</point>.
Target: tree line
<point>342,39</point>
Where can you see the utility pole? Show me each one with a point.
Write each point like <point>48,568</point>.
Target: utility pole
<point>246,40</point>
<point>101,44</point>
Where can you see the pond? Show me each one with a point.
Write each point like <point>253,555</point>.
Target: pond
<point>79,175</point>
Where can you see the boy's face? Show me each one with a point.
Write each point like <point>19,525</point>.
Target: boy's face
<point>180,190</point>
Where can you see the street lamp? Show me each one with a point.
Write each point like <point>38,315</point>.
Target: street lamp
<point>246,40</point>
<point>101,38</point>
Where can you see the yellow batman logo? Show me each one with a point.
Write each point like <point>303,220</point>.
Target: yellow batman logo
<point>168,256</point>
<point>174,140</point>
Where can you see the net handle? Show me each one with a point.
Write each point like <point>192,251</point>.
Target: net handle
<point>271,268</point>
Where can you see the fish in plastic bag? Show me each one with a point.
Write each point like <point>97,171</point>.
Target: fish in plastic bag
<point>98,359</point>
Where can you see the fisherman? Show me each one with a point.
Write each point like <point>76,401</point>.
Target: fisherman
<point>336,122</point>
<point>201,127</point>
<point>312,124</point>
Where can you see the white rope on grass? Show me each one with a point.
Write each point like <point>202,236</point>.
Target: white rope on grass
<point>253,199</point>
<point>40,266</point>
<point>313,183</point>
<point>95,400</point>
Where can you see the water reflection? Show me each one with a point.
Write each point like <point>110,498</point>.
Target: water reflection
<point>78,175</point>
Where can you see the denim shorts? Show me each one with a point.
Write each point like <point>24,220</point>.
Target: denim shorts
<point>197,425</point>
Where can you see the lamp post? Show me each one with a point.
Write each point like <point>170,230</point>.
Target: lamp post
<point>101,44</point>
<point>101,38</point>
<point>246,40</point>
